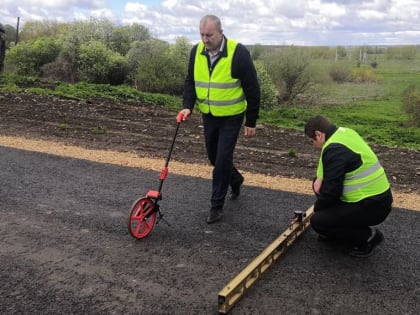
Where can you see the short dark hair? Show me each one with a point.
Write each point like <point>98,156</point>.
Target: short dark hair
<point>317,123</point>
<point>2,30</point>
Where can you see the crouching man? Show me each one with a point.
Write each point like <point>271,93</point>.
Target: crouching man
<point>352,189</point>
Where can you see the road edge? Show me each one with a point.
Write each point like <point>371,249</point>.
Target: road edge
<point>131,159</point>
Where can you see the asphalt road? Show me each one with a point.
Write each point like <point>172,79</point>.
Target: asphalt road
<point>65,248</point>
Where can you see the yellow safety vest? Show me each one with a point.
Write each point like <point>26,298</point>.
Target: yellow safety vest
<point>217,92</point>
<point>367,180</point>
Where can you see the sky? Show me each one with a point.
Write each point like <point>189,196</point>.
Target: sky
<point>266,22</point>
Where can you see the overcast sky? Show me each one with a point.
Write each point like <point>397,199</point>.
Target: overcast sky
<point>276,22</point>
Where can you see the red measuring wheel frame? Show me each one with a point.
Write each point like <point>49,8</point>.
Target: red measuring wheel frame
<point>142,217</point>
<point>144,211</point>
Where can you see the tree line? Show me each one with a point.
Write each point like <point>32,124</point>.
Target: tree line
<point>97,51</point>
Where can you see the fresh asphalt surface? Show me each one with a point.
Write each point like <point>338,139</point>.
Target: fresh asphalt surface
<point>65,248</point>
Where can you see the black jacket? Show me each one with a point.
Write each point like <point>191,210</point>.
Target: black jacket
<point>242,69</point>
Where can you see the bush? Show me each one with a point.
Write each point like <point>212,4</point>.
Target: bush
<point>65,67</point>
<point>157,67</point>
<point>98,64</point>
<point>340,73</point>
<point>267,87</point>
<point>361,75</point>
<point>290,70</point>
<point>28,58</point>
<point>411,103</point>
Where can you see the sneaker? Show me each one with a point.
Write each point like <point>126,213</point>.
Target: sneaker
<point>216,214</point>
<point>236,189</point>
<point>366,250</point>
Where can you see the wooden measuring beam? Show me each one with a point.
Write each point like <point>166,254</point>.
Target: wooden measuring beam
<point>237,287</point>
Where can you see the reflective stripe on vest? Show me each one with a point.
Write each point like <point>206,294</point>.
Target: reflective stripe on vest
<point>349,188</point>
<point>366,181</point>
<point>218,92</point>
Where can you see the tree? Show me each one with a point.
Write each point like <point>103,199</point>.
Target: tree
<point>182,49</point>
<point>82,32</point>
<point>119,40</point>
<point>159,67</point>
<point>121,37</point>
<point>33,30</point>
<point>138,33</point>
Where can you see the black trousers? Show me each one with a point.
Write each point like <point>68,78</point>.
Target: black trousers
<point>221,135</point>
<point>350,222</point>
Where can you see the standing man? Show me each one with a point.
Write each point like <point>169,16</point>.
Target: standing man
<point>222,80</point>
<point>2,49</point>
<point>352,189</point>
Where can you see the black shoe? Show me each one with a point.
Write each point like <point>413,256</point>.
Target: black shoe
<point>216,214</point>
<point>366,249</point>
<point>236,189</point>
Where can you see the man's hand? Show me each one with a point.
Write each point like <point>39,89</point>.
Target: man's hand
<point>185,114</point>
<point>249,132</point>
<point>316,185</point>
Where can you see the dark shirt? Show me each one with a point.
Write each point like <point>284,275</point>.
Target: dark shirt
<point>242,69</point>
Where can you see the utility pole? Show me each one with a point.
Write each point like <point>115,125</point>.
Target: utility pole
<point>17,31</point>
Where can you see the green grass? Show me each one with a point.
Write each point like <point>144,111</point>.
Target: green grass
<point>373,109</point>
<point>83,90</point>
<point>380,122</point>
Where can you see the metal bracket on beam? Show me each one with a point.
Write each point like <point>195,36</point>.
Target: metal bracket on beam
<point>237,287</point>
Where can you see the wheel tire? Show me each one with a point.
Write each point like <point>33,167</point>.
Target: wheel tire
<point>142,218</point>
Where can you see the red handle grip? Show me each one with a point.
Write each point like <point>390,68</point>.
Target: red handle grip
<point>180,118</point>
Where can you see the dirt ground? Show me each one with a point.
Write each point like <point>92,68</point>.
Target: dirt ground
<point>147,131</point>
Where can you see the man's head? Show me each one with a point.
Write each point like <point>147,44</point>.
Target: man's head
<point>316,129</point>
<point>2,31</point>
<point>211,32</point>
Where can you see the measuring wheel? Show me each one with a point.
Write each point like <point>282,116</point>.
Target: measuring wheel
<point>142,218</point>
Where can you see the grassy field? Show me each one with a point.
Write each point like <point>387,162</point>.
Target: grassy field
<point>373,109</point>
